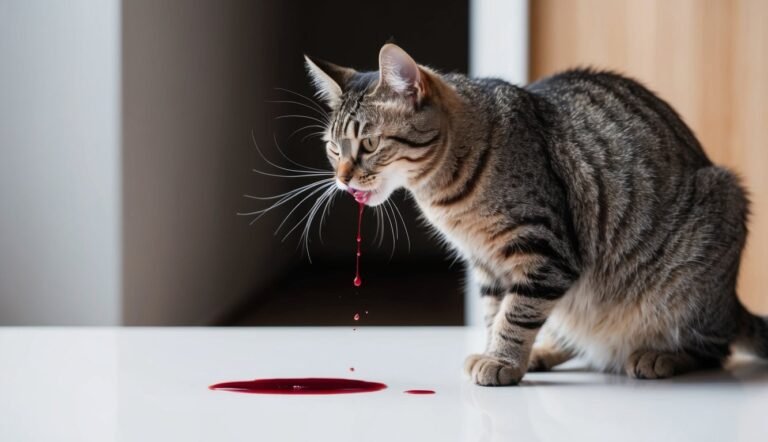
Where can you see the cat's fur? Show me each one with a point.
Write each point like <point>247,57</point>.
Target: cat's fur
<point>586,211</point>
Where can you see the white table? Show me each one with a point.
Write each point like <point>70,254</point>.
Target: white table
<point>150,384</point>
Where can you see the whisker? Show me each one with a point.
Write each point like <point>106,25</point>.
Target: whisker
<point>309,126</point>
<point>328,203</point>
<point>379,235</point>
<point>397,227</point>
<point>282,201</point>
<point>308,216</point>
<point>310,100</point>
<point>306,117</point>
<point>323,114</point>
<point>308,225</point>
<point>302,175</point>
<point>405,228</point>
<point>277,166</point>
<point>391,229</point>
<point>295,163</point>
<point>309,195</point>
<point>312,134</point>
<point>298,189</point>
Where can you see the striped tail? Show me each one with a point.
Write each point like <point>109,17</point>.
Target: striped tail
<point>754,335</point>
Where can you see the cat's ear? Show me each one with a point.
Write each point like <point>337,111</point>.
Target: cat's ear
<point>328,78</point>
<point>400,73</point>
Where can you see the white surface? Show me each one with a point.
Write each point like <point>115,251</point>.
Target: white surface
<point>499,39</point>
<point>59,162</point>
<point>151,385</point>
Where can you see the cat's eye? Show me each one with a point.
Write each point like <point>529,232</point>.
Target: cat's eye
<point>370,144</point>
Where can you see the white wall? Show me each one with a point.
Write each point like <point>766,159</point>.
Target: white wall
<point>499,39</point>
<point>59,173</point>
<point>125,135</point>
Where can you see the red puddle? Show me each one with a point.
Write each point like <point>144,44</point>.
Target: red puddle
<point>300,386</point>
<point>419,391</point>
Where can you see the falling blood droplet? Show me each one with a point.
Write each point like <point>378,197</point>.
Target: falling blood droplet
<point>351,368</point>
<point>361,205</point>
<point>357,316</point>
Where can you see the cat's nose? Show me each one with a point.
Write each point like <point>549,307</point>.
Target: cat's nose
<point>344,172</point>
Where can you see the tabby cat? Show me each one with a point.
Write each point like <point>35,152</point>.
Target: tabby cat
<point>589,217</point>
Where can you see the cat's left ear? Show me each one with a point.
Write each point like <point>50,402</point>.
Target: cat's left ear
<point>401,74</point>
<point>329,79</point>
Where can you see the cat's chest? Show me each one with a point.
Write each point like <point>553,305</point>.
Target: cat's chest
<point>465,231</point>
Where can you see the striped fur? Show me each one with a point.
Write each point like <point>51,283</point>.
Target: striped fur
<point>582,205</point>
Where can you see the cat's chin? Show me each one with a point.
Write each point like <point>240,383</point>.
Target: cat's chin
<point>376,198</point>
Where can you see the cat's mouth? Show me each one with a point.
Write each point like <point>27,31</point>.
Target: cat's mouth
<point>361,196</point>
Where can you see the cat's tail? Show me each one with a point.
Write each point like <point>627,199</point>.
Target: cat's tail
<point>754,335</point>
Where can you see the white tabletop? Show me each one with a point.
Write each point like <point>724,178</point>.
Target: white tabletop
<point>150,384</point>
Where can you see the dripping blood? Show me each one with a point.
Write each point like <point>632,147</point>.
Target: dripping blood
<point>357,281</point>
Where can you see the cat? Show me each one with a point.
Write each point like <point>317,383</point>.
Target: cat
<point>590,219</point>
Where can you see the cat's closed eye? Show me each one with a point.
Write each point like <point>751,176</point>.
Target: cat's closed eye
<point>333,149</point>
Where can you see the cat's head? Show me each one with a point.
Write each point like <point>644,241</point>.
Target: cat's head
<point>386,127</point>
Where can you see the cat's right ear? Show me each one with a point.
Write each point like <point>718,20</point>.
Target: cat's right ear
<point>328,79</point>
<point>399,73</point>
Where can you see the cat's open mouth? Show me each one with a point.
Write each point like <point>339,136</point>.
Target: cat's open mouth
<point>361,196</point>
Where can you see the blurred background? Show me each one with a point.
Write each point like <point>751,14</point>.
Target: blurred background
<point>130,130</point>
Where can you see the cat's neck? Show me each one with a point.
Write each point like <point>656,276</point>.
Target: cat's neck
<point>463,141</point>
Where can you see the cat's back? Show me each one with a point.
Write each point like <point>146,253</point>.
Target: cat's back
<point>630,159</point>
<point>614,112</point>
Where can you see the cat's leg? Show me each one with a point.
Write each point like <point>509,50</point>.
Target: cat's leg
<point>490,291</point>
<point>651,364</point>
<point>512,334</point>
<point>547,353</point>
<point>535,270</point>
<point>547,358</point>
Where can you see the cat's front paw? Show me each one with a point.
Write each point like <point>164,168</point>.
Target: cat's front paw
<point>490,371</point>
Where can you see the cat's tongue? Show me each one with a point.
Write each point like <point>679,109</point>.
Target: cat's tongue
<point>361,196</point>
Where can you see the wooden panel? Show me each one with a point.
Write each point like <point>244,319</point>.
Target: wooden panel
<point>708,58</point>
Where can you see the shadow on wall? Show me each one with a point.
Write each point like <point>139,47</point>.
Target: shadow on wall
<point>196,82</point>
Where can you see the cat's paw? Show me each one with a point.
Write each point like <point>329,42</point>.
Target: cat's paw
<point>490,371</point>
<point>541,360</point>
<point>650,364</point>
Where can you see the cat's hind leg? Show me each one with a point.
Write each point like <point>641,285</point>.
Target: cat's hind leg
<point>546,357</point>
<point>652,364</point>
<point>548,352</point>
